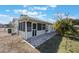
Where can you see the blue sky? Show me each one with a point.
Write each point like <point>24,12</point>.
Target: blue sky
<point>43,12</point>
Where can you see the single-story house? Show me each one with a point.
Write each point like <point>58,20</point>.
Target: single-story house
<point>30,27</point>
<point>15,25</point>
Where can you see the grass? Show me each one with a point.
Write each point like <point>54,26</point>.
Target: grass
<point>60,45</point>
<point>72,46</point>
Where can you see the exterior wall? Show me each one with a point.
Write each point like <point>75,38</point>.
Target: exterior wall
<point>22,34</point>
<point>29,34</point>
<point>49,28</point>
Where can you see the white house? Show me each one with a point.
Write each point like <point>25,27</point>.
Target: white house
<point>30,27</point>
<point>15,25</point>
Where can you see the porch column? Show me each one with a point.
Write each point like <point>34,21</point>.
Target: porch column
<point>26,30</point>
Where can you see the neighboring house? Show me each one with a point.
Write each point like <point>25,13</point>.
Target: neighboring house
<point>76,26</point>
<point>7,26</point>
<point>1,25</point>
<point>15,25</point>
<point>30,27</point>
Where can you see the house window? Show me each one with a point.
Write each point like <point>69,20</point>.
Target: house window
<point>39,26</point>
<point>28,26</point>
<point>43,26</point>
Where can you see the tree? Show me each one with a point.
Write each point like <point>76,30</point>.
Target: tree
<point>64,26</point>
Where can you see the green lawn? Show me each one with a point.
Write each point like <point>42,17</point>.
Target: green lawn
<point>60,45</point>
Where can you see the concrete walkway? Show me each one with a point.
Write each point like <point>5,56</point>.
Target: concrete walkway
<point>38,40</point>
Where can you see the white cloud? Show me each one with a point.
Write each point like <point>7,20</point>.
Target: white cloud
<point>24,6</point>
<point>53,6</point>
<point>31,13</point>
<point>41,16</point>
<point>5,18</point>
<point>39,8</point>
<point>44,8</point>
<point>73,17</point>
<point>7,10</point>
<point>2,15</point>
<point>25,12</point>
<point>59,15</point>
<point>34,14</point>
<point>37,14</point>
<point>52,20</point>
<point>20,11</point>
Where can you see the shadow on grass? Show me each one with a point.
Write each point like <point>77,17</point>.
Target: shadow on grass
<point>51,45</point>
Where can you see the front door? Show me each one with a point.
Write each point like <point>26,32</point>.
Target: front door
<point>34,32</point>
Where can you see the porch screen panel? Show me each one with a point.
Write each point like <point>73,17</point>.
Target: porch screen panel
<point>39,26</point>
<point>23,26</point>
<point>34,26</point>
<point>43,26</point>
<point>28,26</point>
<point>19,26</point>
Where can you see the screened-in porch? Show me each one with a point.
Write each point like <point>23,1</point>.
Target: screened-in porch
<point>33,28</point>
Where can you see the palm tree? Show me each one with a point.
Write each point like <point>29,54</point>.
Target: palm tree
<point>65,28</point>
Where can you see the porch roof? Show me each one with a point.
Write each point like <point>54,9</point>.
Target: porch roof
<point>28,18</point>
